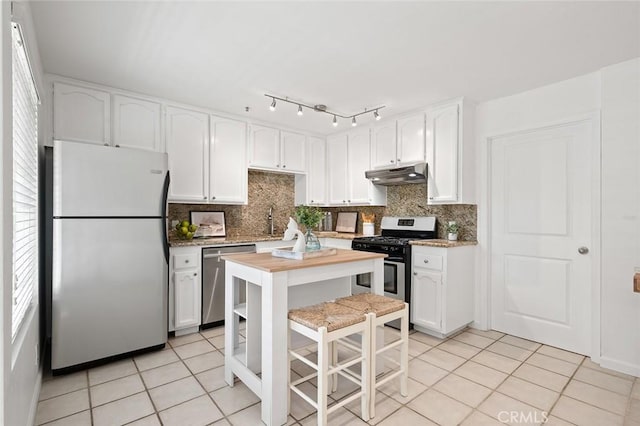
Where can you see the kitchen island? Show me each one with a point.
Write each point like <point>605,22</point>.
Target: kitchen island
<point>261,362</point>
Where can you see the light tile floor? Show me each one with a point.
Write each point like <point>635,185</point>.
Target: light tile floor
<point>474,378</point>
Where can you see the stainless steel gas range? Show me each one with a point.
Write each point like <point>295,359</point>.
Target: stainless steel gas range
<point>397,232</point>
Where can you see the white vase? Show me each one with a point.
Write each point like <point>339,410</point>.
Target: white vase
<point>368,229</point>
<point>452,237</point>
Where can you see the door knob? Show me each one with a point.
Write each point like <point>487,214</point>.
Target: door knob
<point>583,250</point>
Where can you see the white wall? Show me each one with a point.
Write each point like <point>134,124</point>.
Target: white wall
<point>608,91</point>
<point>620,216</point>
<point>21,374</point>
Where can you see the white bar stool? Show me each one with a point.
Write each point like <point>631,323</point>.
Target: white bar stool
<point>382,310</point>
<point>328,324</point>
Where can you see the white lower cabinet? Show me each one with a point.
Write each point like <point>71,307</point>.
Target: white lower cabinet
<point>185,289</point>
<point>442,289</point>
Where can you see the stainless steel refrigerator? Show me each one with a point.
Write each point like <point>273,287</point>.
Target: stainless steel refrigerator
<point>109,253</point>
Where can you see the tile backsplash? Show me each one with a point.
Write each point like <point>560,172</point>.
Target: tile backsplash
<point>265,190</point>
<point>277,190</point>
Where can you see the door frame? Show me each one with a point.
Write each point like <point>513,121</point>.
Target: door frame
<point>483,260</point>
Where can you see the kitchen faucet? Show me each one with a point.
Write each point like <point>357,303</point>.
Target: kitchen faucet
<point>270,220</point>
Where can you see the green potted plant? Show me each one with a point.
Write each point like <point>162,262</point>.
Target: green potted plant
<point>452,231</point>
<point>310,217</point>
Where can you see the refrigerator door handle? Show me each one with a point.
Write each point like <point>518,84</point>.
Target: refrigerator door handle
<point>165,194</point>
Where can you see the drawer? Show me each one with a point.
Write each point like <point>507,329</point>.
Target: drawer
<point>430,261</point>
<point>183,261</point>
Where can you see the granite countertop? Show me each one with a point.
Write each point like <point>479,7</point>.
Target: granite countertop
<point>241,239</point>
<point>339,235</point>
<point>223,240</point>
<point>443,243</point>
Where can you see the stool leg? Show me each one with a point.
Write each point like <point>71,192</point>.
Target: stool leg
<point>323,368</point>
<point>289,357</point>
<point>334,362</point>
<point>365,372</point>
<point>404,351</point>
<point>372,365</point>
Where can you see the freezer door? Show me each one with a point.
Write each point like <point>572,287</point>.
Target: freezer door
<point>109,292</point>
<point>95,180</point>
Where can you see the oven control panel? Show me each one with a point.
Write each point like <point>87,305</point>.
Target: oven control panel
<point>377,248</point>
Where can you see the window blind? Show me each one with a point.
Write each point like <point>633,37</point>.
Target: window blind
<point>25,183</point>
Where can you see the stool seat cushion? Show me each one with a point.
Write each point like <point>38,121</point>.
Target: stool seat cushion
<point>331,315</point>
<point>372,303</point>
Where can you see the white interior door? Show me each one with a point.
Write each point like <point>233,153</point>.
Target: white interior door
<point>540,220</point>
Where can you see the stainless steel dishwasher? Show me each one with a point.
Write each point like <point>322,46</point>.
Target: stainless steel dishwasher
<point>213,282</point>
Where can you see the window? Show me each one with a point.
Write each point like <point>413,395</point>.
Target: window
<point>25,183</point>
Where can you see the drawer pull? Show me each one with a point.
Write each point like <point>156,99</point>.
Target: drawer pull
<point>186,261</point>
<point>426,261</point>
<point>195,274</point>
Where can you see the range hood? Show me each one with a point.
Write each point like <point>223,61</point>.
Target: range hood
<point>416,173</point>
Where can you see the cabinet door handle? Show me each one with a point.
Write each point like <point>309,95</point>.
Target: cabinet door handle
<point>186,261</point>
<point>431,198</point>
<point>117,146</point>
<point>415,273</point>
<point>213,198</point>
<point>426,261</point>
<point>195,274</point>
<point>106,144</point>
<point>398,160</point>
<point>348,201</point>
<point>284,166</point>
<point>277,165</point>
<point>391,161</point>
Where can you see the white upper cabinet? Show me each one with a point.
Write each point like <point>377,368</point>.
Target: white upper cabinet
<point>450,153</point>
<point>316,179</point>
<point>383,146</point>
<point>187,143</point>
<point>337,169</point>
<point>348,157</point>
<point>80,114</point>
<point>399,142</point>
<point>227,161</point>
<point>359,161</point>
<point>273,149</point>
<point>264,147</point>
<point>292,152</point>
<point>411,140</point>
<point>136,123</point>
<point>443,154</point>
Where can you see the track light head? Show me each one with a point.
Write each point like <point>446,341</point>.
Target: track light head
<point>335,121</point>
<point>354,123</point>
<point>299,109</point>
<point>272,107</point>
<point>376,115</point>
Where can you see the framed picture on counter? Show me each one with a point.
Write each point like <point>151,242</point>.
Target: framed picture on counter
<point>347,222</point>
<point>210,224</point>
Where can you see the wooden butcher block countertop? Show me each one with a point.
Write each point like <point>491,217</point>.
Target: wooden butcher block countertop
<point>268,263</point>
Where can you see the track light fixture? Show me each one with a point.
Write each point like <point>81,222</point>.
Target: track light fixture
<point>323,108</point>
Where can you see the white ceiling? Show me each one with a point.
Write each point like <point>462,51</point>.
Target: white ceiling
<point>347,55</point>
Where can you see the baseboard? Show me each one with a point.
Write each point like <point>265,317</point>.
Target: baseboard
<point>621,366</point>
<point>34,399</point>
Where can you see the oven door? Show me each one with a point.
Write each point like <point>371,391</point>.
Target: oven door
<point>394,276</point>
